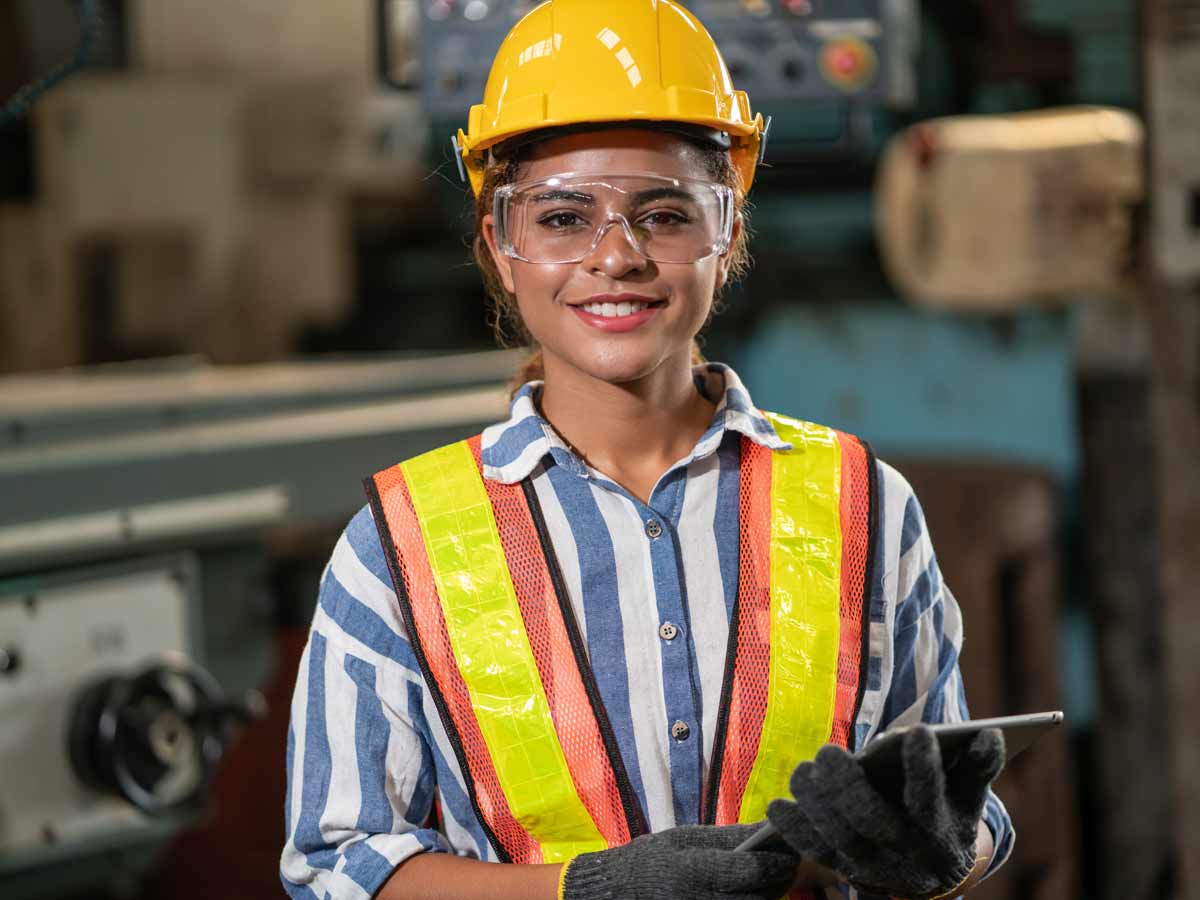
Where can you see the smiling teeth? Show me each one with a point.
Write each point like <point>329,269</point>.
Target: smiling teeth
<point>614,310</point>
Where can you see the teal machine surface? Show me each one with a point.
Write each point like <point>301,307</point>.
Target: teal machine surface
<point>134,626</point>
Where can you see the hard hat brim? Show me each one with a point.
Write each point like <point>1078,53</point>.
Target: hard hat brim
<point>743,147</point>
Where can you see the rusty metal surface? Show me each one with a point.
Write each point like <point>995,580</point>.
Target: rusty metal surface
<point>1170,80</point>
<point>1123,555</point>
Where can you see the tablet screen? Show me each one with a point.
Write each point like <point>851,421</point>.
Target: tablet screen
<point>882,755</point>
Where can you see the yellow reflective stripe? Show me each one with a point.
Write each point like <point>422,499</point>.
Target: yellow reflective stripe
<point>806,591</point>
<point>493,653</point>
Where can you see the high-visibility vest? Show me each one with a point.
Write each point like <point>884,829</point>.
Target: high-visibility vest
<point>492,627</point>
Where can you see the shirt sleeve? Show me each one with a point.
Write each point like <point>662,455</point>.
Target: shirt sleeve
<point>360,776</point>
<point>927,637</point>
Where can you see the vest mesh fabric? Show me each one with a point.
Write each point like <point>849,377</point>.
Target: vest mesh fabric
<point>748,697</point>
<point>855,518</point>
<point>412,566</point>
<point>574,720</point>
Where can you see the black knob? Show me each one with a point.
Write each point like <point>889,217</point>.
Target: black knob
<point>154,736</point>
<point>10,660</point>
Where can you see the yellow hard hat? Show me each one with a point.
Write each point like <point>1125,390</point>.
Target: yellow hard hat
<point>575,62</point>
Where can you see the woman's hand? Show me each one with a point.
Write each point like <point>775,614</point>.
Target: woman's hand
<point>691,862</point>
<point>912,837</point>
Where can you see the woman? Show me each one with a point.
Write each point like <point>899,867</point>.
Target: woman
<point>610,635</point>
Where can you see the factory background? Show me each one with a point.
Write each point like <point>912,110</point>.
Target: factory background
<point>235,279</point>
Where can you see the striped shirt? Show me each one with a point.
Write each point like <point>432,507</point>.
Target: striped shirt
<point>367,754</point>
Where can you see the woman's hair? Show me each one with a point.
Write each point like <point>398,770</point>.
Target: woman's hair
<point>507,324</point>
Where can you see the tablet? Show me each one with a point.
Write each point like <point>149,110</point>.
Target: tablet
<point>881,756</point>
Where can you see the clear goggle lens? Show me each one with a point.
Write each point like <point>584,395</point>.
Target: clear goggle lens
<point>563,219</point>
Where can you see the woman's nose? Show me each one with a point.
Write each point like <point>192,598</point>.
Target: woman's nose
<point>615,252</point>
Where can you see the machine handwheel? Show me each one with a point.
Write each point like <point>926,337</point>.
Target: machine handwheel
<point>154,737</point>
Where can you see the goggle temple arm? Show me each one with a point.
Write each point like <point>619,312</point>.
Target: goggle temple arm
<point>458,157</point>
<point>500,223</point>
<point>762,141</point>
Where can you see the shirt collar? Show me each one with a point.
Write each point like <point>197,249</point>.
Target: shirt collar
<point>513,448</point>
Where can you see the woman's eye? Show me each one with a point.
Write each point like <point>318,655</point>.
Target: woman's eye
<point>560,220</point>
<point>661,217</point>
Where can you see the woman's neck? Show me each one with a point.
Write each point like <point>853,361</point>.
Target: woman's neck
<point>632,432</point>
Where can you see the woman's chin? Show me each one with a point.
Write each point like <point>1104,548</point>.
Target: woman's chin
<point>621,368</point>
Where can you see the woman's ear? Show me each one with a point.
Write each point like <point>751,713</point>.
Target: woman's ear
<point>724,260</point>
<point>503,261</point>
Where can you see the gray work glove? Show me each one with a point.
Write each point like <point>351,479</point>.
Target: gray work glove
<point>911,836</point>
<point>690,862</point>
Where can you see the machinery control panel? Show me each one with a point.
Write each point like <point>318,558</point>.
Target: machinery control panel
<point>779,51</point>
<point>815,50</point>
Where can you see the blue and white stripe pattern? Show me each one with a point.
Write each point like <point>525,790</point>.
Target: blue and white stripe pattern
<point>372,778</point>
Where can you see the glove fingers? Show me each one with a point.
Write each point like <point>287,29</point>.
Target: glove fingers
<point>924,779</point>
<point>859,831</point>
<point>830,829</point>
<point>800,776</point>
<point>981,762</point>
<point>842,785</point>
<point>797,829</point>
<point>856,855</point>
<point>877,865</point>
<point>860,839</point>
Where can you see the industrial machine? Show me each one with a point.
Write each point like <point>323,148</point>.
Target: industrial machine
<point>134,629</point>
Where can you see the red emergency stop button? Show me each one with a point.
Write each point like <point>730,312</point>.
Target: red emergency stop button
<point>848,63</point>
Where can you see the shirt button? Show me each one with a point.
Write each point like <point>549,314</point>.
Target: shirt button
<point>653,528</point>
<point>667,631</point>
<point>680,731</point>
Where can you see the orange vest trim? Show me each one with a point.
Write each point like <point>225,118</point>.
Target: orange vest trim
<point>587,740</point>
<point>412,578</point>
<point>744,694</point>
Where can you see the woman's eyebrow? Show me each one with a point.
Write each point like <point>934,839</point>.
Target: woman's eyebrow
<point>662,193</point>
<point>570,196</point>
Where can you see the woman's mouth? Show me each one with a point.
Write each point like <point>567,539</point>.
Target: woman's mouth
<point>623,315</point>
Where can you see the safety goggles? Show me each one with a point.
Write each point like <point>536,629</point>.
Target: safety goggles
<point>563,219</point>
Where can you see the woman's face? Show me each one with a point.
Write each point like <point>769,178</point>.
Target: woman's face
<point>551,297</point>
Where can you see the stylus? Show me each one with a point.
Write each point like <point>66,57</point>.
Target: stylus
<point>759,838</point>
